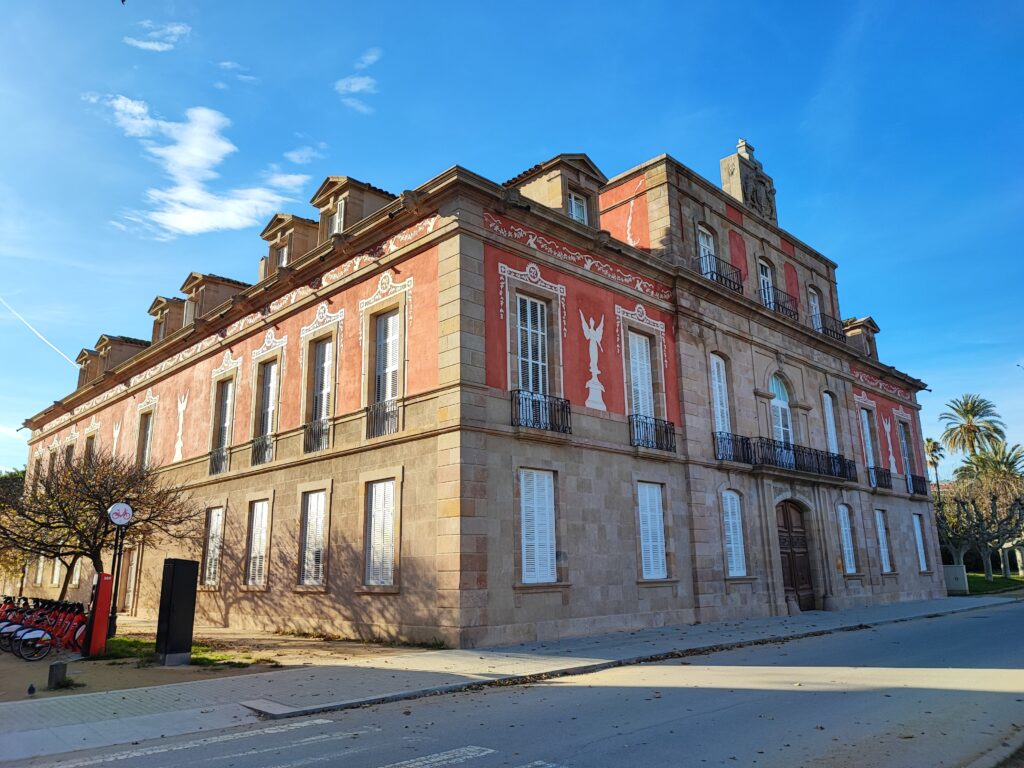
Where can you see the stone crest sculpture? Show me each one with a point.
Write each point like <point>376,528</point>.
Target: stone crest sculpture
<point>593,335</point>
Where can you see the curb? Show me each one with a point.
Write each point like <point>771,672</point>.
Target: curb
<point>998,755</point>
<point>272,710</point>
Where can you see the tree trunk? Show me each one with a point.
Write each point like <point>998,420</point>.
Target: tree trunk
<point>958,555</point>
<point>97,562</point>
<point>986,556</point>
<point>69,571</point>
<point>1004,561</point>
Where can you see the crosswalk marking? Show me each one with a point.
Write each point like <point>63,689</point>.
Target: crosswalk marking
<point>318,739</point>
<point>451,757</point>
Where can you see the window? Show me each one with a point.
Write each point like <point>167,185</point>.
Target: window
<point>719,395</point>
<point>69,453</point>
<point>641,388</point>
<point>37,471</point>
<point>282,255</point>
<point>732,525</point>
<point>256,572</point>
<point>865,429</point>
<point>76,573</point>
<point>380,533</point>
<point>161,328</point>
<point>706,249</point>
<point>313,538</point>
<point>222,425</point>
<point>53,462</point>
<point>922,557</point>
<point>267,377</point>
<point>782,421</point>
<point>211,553</point>
<point>320,395</point>
<point>336,221</point>
<point>846,539</point>
<point>578,207</point>
<point>905,455</point>
<point>828,409</point>
<point>537,523</point>
<point>40,567</point>
<point>90,448</point>
<point>145,437</point>
<point>190,311</point>
<point>386,378</point>
<point>882,524</point>
<point>652,531</point>
<point>533,345</point>
<point>814,308</point>
<point>55,573</point>
<point>767,283</point>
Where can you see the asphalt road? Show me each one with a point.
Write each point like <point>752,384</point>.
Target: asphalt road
<point>933,692</point>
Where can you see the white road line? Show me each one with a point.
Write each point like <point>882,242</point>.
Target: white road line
<point>451,757</point>
<point>540,764</point>
<point>323,737</point>
<point>147,751</point>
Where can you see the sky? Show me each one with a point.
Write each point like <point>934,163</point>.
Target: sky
<point>143,141</point>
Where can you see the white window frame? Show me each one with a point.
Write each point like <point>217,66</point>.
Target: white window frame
<point>903,438</point>
<point>641,374</point>
<point>706,251</point>
<point>381,514</point>
<point>534,369</point>
<point>312,571</point>
<point>336,220</point>
<point>55,573</point>
<point>537,522</point>
<point>828,410</point>
<point>223,415</point>
<point>919,539</point>
<point>884,553</point>
<point>782,416</point>
<point>76,573</point>
<point>651,516</point>
<point>577,205</point>
<point>40,570</point>
<point>720,394</point>
<point>283,253</point>
<point>322,380</point>
<point>732,535</point>
<point>766,283</point>
<point>267,389</point>
<point>212,546</point>
<point>866,417</point>
<point>387,369</point>
<point>846,540</point>
<point>814,308</point>
<point>145,441</point>
<point>259,540</point>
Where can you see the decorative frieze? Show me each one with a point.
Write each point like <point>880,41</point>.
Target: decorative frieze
<point>531,276</point>
<point>868,380</point>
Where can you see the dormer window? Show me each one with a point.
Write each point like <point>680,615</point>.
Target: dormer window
<point>578,207</point>
<point>190,311</point>
<point>336,221</point>
<point>282,255</point>
<point>161,326</point>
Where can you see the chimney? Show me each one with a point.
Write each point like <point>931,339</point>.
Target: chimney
<point>745,179</point>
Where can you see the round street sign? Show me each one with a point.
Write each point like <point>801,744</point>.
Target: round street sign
<point>120,513</point>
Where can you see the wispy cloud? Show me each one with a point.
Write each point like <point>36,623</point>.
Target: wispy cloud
<point>356,84</point>
<point>238,71</point>
<point>306,154</point>
<point>350,85</point>
<point>159,37</point>
<point>230,65</point>
<point>189,152</point>
<point>369,58</point>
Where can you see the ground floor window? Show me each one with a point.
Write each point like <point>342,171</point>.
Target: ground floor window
<point>846,539</point>
<point>256,573</point>
<point>652,530</point>
<point>922,552</point>
<point>537,524</point>
<point>313,538</point>
<point>732,524</point>
<point>380,533</point>
<point>211,553</point>
<point>882,524</point>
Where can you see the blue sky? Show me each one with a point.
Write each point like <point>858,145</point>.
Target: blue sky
<point>144,141</point>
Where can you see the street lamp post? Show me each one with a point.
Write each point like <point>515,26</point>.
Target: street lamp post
<point>120,515</point>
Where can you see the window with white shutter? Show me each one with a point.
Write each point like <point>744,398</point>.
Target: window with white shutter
<point>652,530</point>
<point>865,430</point>
<point>882,526</point>
<point>76,573</point>
<point>211,556</point>
<point>766,281</point>
<point>386,379</point>
<point>922,555</point>
<point>320,394</point>
<point>533,345</point>
<point>846,539</point>
<point>641,387</point>
<point>145,437</point>
<point>706,246</point>
<point>537,524</point>
<point>380,533</point>
<point>222,415</point>
<point>828,408</point>
<point>314,540</point>
<point>905,455</point>
<point>40,568</point>
<point>720,395</point>
<point>814,308</point>
<point>256,572</point>
<point>55,573</point>
<point>732,524</point>
<point>268,398</point>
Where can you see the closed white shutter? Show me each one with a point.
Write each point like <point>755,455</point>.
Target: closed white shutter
<point>386,387</point>
<point>145,436</point>
<point>908,461</point>
<point>706,243</point>
<point>814,307</point>
<point>55,574</point>
<point>313,545</point>
<point>782,426</point>
<point>846,539</point>
<point>533,345</point>
<point>380,544</point>
<point>257,572</point>
<point>40,567</point>
<point>883,541</point>
<point>865,429</point>
<point>76,574</point>
<point>732,523</point>
<point>720,395</point>
<point>268,397</point>
<point>764,276</point>
<point>214,526</point>
<point>225,393</point>
<point>537,521</point>
<point>922,559</point>
<point>652,531</point>
<point>828,409</point>
<point>321,380</point>
<point>641,386</point>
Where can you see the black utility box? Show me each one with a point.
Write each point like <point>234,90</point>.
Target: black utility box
<point>177,612</point>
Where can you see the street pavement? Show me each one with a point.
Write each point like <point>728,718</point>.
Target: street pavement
<point>864,666</point>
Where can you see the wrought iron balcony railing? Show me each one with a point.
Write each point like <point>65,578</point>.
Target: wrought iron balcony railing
<point>531,409</point>
<point>918,486</point>
<point>775,453</point>
<point>718,271</point>
<point>729,447</point>
<point>218,460</point>
<point>780,301</point>
<point>648,432</point>
<point>316,436</point>
<point>262,449</point>
<point>382,418</point>
<point>829,326</point>
<point>879,478</point>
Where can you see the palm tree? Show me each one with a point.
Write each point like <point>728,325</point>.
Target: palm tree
<point>997,461</point>
<point>934,453</point>
<point>971,423</point>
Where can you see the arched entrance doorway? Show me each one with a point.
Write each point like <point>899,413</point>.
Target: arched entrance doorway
<point>796,560</point>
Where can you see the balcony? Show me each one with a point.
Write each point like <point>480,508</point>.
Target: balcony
<point>648,432</point>
<point>780,301</point>
<point>262,449</point>
<point>829,326</point>
<point>718,271</point>
<point>729,447</point>
<point>532,409</point>
<point>382,418</point>
<point>917,485</point>
<point>316,436</point>
<point>775,453</point>
<point>879,478</point>
<point>218,461</point>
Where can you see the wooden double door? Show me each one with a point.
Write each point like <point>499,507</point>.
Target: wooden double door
<point>796,559</point>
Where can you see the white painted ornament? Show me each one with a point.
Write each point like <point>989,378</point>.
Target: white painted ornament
<point>595,389</point>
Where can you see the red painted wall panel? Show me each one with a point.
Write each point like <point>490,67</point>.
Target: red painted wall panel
<point>734,215</point>
<point>793,283</point>
<point>738,253</point>
<point>787,247</point>
<point>627,221</point>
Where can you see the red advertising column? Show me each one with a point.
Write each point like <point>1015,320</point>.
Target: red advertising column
<point>96,638</point>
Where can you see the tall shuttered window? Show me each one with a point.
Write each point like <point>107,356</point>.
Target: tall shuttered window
<point>652,531</point>
<point>268,398</point>
<point>922,552</point>
<point>828,408</point>
<point>40,568</point>
<point>256,572</point>
<point>846,539</point>
<point>706,245</point>
<point>320,395</point>
<point>865,430</point>
<point>720,395</point>
<point>222,422</point>
<point>55,573</point>
<point>533,345</point>
<point>380,533</point>
<point>90,448</point>
<point>76,573</point>
<point>537,524</point>
<point>211,554</point>
<point>884,553</point>
<point>145,437</point>
<point>314,538</point>
<point>906,456</point>
<point>782,421</point>
<point>641,385</point>
<point>386,379</point>
<point>732,524</point>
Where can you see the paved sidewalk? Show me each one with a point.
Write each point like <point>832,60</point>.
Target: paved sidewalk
<point>57,725</point>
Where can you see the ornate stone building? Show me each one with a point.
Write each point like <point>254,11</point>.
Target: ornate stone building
<point>482,413</point>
